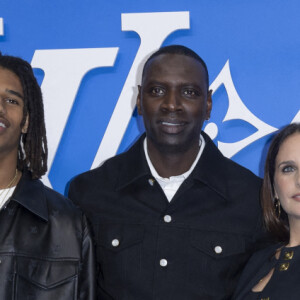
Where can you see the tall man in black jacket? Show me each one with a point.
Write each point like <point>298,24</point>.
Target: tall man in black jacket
<point>172,217</point>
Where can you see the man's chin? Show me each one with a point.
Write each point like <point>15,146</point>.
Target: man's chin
<point>173,148</point>
<point>174,143</point>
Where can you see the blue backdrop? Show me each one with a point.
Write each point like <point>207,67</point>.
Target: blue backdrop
<point>259,41</point>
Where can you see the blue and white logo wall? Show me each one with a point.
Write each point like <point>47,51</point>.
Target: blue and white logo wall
<point>88,57</point>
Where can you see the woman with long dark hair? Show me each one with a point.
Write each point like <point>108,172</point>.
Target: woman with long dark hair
<point>273,273</point>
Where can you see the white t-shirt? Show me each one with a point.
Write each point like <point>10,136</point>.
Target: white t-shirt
<point>5,194</point>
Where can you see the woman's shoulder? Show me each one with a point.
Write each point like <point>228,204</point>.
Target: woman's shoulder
<point>258,265</point>
<point>266,252</point>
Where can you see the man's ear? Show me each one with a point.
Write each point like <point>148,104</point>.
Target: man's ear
<point>26,124</point>
<point>138,101</point>
<point>208,104</point>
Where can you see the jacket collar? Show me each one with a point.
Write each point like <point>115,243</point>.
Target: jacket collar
<point>211,168</point>
<point>135,166</point>
<point>30,194</point>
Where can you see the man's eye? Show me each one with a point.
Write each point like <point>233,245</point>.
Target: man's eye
<point>12,101</point>
<point>288,169</point>
<point>157,91</point>
<point>190,92</point>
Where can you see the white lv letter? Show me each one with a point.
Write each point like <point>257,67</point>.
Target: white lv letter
<point>1,27</point>
<point>64,70</point>
<point>152,28</point>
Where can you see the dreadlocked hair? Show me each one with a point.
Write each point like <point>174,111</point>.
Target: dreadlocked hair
<point>33,151</point>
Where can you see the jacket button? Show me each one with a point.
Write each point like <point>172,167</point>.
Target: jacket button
<point>163,262</point>
<point>167,218</point>
<point>288,255</point>
<point>218,249</point>
<point>151,181</point>
<point>115,243</point>
<point>284,266</point>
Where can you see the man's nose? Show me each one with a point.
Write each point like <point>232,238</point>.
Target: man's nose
<point>172,101</point>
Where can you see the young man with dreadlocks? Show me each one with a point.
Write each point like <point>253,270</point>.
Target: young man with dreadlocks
<point>46,250</point>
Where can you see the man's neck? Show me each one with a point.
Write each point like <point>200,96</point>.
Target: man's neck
<point>8,166</point>
<point>167,163</point>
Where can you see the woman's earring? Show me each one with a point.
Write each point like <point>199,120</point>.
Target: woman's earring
<point>277,207</point>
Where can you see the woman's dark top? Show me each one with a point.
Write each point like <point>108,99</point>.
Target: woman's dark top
<point>285,281</point>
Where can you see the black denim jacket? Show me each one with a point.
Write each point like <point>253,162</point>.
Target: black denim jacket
<point>191,248</point>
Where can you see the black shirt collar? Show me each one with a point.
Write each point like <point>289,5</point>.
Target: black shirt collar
<point>30,194</point>
<point>211,169</point>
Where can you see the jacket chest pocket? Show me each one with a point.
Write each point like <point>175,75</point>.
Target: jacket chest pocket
<point>47,280</point>
<point>218,245</point>
<point>119,251</point>
<point>220,256</point>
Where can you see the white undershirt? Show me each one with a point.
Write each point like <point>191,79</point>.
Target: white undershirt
<point>172,184</point>
<point>5,195</point>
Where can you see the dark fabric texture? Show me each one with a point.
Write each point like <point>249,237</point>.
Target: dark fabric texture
<point>217,205</point>
<point>284,283</point>
<point>46,251</point>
